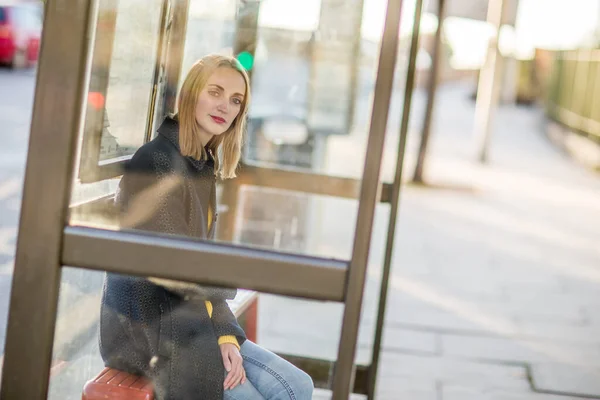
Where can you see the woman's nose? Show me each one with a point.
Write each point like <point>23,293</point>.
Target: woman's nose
<point>223,106</point>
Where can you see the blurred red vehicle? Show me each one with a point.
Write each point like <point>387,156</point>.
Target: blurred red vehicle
<point>20,31</point>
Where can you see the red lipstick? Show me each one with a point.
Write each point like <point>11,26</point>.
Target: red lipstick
<point>218,120</point>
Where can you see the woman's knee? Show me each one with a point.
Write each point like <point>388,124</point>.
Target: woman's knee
<point>301,384</point>
<point>263,367</point>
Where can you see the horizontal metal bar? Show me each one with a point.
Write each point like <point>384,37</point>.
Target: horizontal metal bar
<point>276,178</point>
<point>294,179</point>
<point>205,262</point>
<point>97,173</point>
<point>386,192</point>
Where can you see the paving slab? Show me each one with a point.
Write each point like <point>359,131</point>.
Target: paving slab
<point>447,370</point>
<point>394,388</point>
<point>519,350</point>
<point>452,392</point>
<point>323,394</point>
<point>559,331</point>
<point>564,379</point>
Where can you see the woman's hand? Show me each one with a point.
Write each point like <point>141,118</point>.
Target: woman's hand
<point>233,362</point>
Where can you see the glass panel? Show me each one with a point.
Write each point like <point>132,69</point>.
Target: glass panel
<point>121,82</point>
<point>313,75</point>
<point>290,221</point>
<point>131,77</point>
<point>295,222</point>
<point>310,342</point>
<point>313,83</point>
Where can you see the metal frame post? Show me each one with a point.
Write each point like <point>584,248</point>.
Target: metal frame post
<point>488,90</point>
<point>49,172</point>
<point>344,369</point>
<point>431,92</point>
<point>174,61</point>
<point>395,198</point>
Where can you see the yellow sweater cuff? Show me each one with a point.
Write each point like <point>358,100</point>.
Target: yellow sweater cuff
<point>225,338</point>
<point>229,339</point>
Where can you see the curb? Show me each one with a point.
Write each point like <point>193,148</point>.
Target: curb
<point>580,148</point>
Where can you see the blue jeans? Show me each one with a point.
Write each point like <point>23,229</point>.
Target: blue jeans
<point>269,377</point>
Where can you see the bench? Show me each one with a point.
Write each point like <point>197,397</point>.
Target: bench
<point>112,384</point>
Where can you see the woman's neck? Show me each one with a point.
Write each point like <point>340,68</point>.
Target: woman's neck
<point>205,139</point>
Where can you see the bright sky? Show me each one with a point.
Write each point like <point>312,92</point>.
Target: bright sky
<point>540,23</point>
<point>547,24</point>
<point>304,15</point>
<point>552,23</point>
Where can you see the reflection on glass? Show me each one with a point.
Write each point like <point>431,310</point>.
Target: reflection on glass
<point>157,337</point>
<point>299,223</point>
<point>92,330</point>
<point>313,74</point>
<point>180,189</point>
<point>131,77</point>
<point>273,218</point>
<point>121,80</point>
<point>210,29</point>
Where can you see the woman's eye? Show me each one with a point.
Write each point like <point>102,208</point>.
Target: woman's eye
<point>213,93</point>
<point>237,101</point>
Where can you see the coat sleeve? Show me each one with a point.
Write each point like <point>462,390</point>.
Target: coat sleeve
<point>225,323</point>
<point>151,197</point>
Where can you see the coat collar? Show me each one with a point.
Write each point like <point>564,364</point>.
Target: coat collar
<point>170,130</point>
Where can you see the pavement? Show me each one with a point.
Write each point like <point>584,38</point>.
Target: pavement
<point>496,269</point>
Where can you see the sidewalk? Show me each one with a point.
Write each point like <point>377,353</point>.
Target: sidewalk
<point>495,286</point>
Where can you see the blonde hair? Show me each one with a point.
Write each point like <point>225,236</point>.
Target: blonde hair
<point>227,147</point>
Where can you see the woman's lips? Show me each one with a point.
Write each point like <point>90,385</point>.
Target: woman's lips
<point>218,120</point>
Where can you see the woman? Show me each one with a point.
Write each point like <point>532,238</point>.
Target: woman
<point>183,336</point>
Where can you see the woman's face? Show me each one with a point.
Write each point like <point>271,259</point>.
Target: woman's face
<point>219,102</point>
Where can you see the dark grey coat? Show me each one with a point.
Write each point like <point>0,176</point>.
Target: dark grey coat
<point>156,327</point>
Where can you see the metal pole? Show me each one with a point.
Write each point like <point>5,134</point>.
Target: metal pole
<point>54,130</point>
<point>431,92</point>
<point>159,63</point>
<point>177,29</point>
<point>355,65</point>
<point>344,369</point>
<point>395,198</point>
<point>488,89</point>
